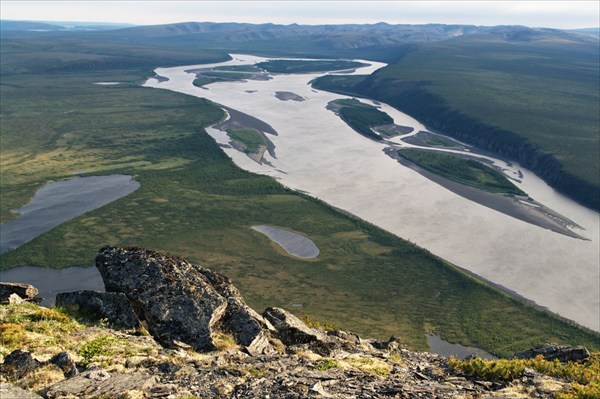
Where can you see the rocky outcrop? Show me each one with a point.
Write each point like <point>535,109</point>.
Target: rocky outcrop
<point>290,329</point>
<point>10,391</point>
<point>65,362</point>
<point>181,302</point>
<point>8,291</point>
<point>336,364</point>
<point>114,307</point>
<point>18,364</point>
<point>99,383</point>
<point>564,353</point>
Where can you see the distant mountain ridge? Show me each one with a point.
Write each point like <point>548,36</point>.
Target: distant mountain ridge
<point>378,42</point>
<point>53,26</point>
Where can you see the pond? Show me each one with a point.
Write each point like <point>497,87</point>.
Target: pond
<point>293,243</point>
<point>60,201</point>
<point>444,348</point>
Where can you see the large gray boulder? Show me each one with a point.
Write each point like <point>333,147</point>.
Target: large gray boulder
<point>25,291</point>
<point>249,329</point>
<point>181,302</point>
<point>112,306</point>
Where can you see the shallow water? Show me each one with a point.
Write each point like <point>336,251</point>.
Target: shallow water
<point>294,243</point>
<point>52,281</point>
<point>444,348</point>
<point>319,154</point>
<point>60,201</point>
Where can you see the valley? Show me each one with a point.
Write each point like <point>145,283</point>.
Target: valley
<point>315,176</point>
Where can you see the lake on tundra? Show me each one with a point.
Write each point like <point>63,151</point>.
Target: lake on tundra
<point>319,154</point>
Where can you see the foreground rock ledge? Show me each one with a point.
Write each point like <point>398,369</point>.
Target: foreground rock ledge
<point>176,300</point>
<point>181,302</point>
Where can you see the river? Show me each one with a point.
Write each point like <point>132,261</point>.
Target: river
<point>317,153</point>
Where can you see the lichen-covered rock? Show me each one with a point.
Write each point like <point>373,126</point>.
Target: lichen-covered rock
<point>179,301</point>
<point>9,391</point>
<point>65,362</point>
<point>112,306</point>
<point>98,383</point>
<point>24,291</point>
<point>249,328</point>
<point>563,353</point>
<point>290,329</point>
<point>18,364</point>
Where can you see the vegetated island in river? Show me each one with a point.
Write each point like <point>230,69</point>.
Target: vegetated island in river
<point>367,119</point>
<point>304,66</point>
<point>248,134</point>
<point>477,182</point>
<point>227,73</point>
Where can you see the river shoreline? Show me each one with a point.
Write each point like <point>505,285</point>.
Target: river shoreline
<point>324,158</point>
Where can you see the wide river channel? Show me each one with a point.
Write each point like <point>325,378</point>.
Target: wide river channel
<point>317,153</point>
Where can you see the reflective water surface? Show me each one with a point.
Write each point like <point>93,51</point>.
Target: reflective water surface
<point>60,201</point>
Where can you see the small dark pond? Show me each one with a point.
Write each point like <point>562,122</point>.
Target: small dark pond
<point>444,348</point>
<point>60,201</point>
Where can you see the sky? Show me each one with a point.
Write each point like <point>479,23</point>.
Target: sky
<point>550,14</point>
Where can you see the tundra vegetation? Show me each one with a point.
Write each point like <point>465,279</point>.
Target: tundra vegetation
<point>362,117</point>
<point>465,171</point>
<point>299,66</point>
<point>194,202</point>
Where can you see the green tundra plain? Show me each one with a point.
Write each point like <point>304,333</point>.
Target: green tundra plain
<point>195,203</point>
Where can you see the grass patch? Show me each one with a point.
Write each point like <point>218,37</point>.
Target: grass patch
<point>250,138</point>
<point>326,364</point>
<point>96,347</point>
<point>224,341</point>
<point>312,323</point>
<point>362,117</point>
<point>465,171</point>
<point>371,365</point>
<point>584,377</point>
